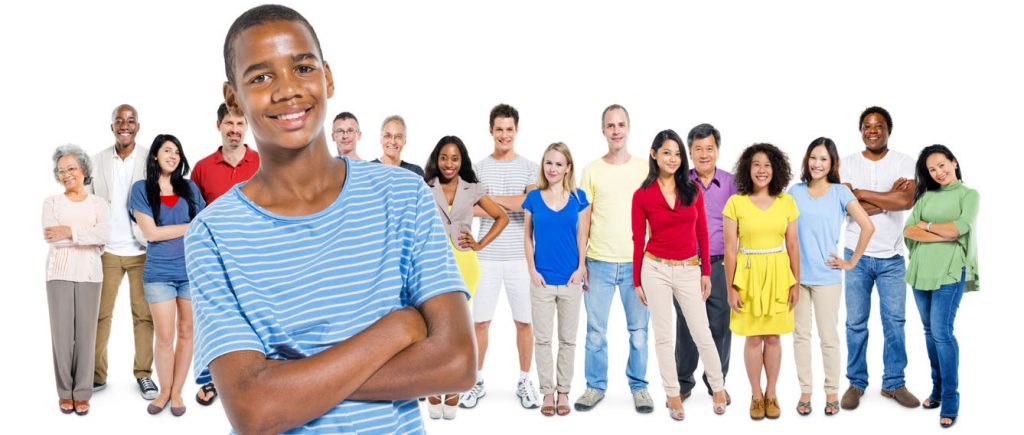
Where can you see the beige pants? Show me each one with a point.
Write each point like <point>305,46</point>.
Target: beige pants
<point>545,302</point>
<point>114,269</point>
<point>660,283</point>
<point>825,299</point>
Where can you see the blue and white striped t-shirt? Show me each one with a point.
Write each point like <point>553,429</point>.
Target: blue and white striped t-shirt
<point>291,287</point>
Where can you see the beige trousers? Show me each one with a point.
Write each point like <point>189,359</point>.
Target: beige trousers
<point>825,301</point>
<point>114,269</point>
<point>73,308</point>
<point>660,283</point>
<point>545,302</point>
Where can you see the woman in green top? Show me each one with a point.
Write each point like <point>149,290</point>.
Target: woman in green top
<point>940,235</point>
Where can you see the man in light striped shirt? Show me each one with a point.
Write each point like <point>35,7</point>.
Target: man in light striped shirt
<point>325,296</point>
<point>507,176</point>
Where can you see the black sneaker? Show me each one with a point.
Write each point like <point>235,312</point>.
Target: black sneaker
<point>98,387</point>
<point>148,388</point>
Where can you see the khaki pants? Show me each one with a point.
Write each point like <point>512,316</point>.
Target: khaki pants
<point>660,283</point>
<point>114,269</point>
<point>545,302</point>
<point>825,299</point>
<point>73,309</point>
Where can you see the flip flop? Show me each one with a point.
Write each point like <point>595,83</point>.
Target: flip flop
<point>208,388</point>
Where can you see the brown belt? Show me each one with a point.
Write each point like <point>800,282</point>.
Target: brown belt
<point>692,261</point>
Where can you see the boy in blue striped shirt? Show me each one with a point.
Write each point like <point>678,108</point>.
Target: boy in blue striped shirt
<point>325,296</point>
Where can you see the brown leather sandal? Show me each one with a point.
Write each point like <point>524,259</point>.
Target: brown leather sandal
<point>562,408</point>
<point>81,407</point>
<point>67,406</point>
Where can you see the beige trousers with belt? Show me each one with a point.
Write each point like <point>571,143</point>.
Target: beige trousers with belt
<point>660,283</point>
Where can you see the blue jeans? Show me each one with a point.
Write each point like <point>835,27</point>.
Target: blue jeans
<point>938,310</point>
<point>603,278</point>
<point>887,274</point>
<point>166,290</point>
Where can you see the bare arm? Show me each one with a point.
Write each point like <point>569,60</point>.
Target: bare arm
<point>536,279</point>
<point>582,236</point>
<point>867,228</point>
<point>293,392</point>
<point>443,362</point>
<point>918,234</point>
<point>155,233</point>
<point>495,212</point>
<point>731,235</point>
<point>899,197</point>
<point>793,249</point>
<point>946,230</point>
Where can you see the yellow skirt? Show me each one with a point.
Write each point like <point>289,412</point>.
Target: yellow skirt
<point>764,290</point>
<point>469,267</point>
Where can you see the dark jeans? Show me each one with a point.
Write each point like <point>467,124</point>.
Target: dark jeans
<point>938,310</point>
<point>718,318</point>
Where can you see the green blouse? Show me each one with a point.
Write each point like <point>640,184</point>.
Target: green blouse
<point>934,264</point>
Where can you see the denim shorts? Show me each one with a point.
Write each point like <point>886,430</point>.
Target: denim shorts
<point>166,290</point>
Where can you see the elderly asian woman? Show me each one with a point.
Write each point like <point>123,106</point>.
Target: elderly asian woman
<point>76,225</point>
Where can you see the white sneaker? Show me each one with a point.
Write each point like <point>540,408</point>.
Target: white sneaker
<point>528,395</point>
<point>468,399</point>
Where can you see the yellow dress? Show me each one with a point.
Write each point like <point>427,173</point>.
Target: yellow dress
<point>763,280</point>
<point>469,267</point>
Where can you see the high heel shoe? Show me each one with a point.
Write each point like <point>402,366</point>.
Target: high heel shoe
<point>435,410</point>
<point>719,407</point>
<point>451,404</point>
<point>677,414</point>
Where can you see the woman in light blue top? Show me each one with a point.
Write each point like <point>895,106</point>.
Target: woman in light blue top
<point>163,205</point>
<point>823,203</point>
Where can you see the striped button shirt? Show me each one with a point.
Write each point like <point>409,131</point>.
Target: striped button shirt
<point>293,286</point>
<point>505,177</point>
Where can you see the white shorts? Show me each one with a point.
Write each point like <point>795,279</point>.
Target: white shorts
<point>515,275</point>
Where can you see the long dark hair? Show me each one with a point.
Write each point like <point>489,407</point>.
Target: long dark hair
<point>431,170</point>
<point>923,178</point>
<point>833,155</point>
<point>686,189</point>
<point>178,182</point>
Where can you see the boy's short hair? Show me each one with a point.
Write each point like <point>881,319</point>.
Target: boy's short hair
<point>254,17</point>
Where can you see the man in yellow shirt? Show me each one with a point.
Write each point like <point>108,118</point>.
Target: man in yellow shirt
<point>610,183</point>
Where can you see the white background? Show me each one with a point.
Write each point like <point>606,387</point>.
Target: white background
<point>949,73</point>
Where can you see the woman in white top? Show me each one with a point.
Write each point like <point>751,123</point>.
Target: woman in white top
<point>76,225</point>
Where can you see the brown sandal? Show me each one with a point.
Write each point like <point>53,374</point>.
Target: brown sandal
<point>67,406</point>
<point>562,408</point>
<point>81,407</point>
<point>547,410</point>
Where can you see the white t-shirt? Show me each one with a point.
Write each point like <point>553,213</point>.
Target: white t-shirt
<point>878,176</point>
<point>122,240</point>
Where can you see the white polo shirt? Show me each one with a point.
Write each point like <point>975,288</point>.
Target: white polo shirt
<point>862,173</point>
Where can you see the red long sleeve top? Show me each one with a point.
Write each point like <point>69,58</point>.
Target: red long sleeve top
<point>676,233</point>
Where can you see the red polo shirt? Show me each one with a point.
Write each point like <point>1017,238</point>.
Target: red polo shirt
<point>214,176</point>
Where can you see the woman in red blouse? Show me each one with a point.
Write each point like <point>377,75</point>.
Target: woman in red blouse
<point>674,263</point>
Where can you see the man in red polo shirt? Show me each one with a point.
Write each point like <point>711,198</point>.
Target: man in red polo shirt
<point>232,163</point>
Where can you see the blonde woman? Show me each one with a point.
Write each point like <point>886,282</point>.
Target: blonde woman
<point>557,220</point>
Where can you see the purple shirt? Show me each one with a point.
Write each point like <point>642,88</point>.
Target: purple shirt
<point>715,196</point>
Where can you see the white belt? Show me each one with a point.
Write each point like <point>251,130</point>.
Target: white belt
<point>743,250</point>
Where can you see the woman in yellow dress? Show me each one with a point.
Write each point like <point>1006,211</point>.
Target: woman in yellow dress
<point>456,190</point>
<point>762,267</point>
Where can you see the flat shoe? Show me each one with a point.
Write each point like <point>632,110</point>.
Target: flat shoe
<point>81,407</point>
<point>832,406</point>
<point>67,406</point>
<point>756,409</point>
<point>771,408</point>
<point>152,409</point>
<point>803,405</point>
<point>177,412</point>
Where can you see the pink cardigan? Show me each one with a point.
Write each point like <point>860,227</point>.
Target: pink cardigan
<point>77,259</point>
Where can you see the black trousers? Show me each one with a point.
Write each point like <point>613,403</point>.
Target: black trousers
<point>718,317</point>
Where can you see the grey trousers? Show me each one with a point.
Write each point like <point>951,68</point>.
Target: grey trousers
<point>74,308</point>
<point>718,316</point>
